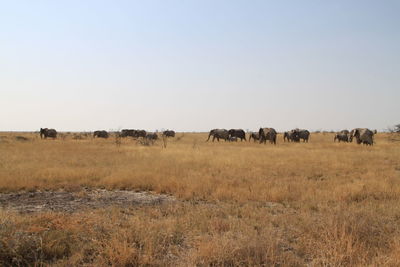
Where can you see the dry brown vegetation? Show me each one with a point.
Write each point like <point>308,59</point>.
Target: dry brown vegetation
<point>241,203</point>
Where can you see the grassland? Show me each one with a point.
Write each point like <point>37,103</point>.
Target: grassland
<point>293,204</point>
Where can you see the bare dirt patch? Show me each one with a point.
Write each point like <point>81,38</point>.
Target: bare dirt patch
<point>62,201</point>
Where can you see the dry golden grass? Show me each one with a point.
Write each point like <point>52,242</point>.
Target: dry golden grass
<point>320,203</point>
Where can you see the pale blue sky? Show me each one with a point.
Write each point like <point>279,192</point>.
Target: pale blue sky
<point>197,65</point>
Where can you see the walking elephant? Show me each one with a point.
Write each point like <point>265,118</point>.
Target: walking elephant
<point>291,136</point>
<point>127,132</point>
<point>152,136</point>
<point>218,134</point>
<point>255,136</point>
<point>341,137</point>
<point>100,134</point>
<point>298,134</point>
<point>238,133</point>
<point>140,133</point>
<point>362,135</point>
<point>267,134</point>
<point>169,133</point>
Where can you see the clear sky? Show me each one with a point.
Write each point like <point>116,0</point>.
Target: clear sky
<point>197,65</point>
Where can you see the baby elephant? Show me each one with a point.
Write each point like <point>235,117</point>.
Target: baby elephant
<point>341,137</point>
<point>233,139</point>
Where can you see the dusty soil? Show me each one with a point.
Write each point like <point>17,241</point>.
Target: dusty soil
<point>62,201</point>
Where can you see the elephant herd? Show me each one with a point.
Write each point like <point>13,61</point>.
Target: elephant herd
<point>262,135</point>
<point>52,133</point>
<point>234,135</point>
<point>362,135</point>
<point>296,135</point>
<point>144,134</point>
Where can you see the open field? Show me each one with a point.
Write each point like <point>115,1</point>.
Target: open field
<point>293,204</point>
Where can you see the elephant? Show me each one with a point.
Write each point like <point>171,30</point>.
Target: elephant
<point>300,134</point>
<point>233,139</point>
<point>151,136</point>
<point>239,133</point>
<point>286,137</point>
<point>100,134</point>
<point>291,136</point>
<point>341,137</point>
<point>45,132</point>
<point>127,132</point>
<point>169,133</point>
<point>140,133</point>
<point>255,136</point>
<point>219,134</point>
<point>267,134</point>
<point>362,135</point>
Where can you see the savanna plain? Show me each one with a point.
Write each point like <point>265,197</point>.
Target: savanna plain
<point>226,203</point>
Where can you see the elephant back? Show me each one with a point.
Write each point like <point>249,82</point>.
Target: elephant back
<point>51,133</point>
<point>140,133</point>
<point>304,133</point>
<point>169,133</point>
<point>222,133</point>
<point>101,134</point>
<point>127,132</point>
<point>152,136</point>
<point>238,133</point>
